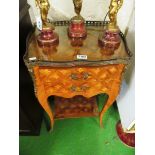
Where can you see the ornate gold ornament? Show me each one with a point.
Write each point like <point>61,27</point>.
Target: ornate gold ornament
<point>77,27</point>
<point>77,9</point>
<point>77,6</point>
<point>114,7</point>
<point>47,37</point>
<point>44,6</point>
<point>110,39</point>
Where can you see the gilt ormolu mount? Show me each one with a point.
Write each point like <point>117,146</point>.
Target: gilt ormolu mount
<point>47,37</point>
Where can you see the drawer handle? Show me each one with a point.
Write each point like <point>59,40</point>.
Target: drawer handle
<point>79,89</point>
<point>74,76</point>
<point>84,76</point>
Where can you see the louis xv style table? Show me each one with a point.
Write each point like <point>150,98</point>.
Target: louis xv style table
<point>75,67</point>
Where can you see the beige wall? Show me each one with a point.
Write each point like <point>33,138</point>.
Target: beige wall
<point>126,99</point>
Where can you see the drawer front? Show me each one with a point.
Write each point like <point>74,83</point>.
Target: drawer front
<point>70,74</point>
<point>79,81</point>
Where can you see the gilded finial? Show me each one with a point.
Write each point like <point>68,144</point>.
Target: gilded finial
<point>115,5</point>
<point>77,8</point>
<point>44,6</point>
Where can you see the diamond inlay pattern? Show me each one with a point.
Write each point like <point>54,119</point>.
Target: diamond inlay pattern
<point>59,81</point>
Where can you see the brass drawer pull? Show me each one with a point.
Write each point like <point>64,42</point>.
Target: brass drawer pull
<point>84,76</point>
<point>74,76</point>
<point>79,89</point>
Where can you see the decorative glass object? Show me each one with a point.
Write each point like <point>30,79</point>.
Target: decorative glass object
<point>47,37</point>
<point>110,39</point>
<point>77,27</point>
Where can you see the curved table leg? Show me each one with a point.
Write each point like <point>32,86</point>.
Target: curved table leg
<point>42,97</point>
<point>44,103</point>
<point>112,97</point>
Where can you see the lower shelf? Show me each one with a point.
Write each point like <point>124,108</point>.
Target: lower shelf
<point>77,106</point>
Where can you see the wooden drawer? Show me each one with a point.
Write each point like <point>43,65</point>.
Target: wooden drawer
<point>85,81</point>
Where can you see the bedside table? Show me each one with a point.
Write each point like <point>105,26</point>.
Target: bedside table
<point>61,70</point>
